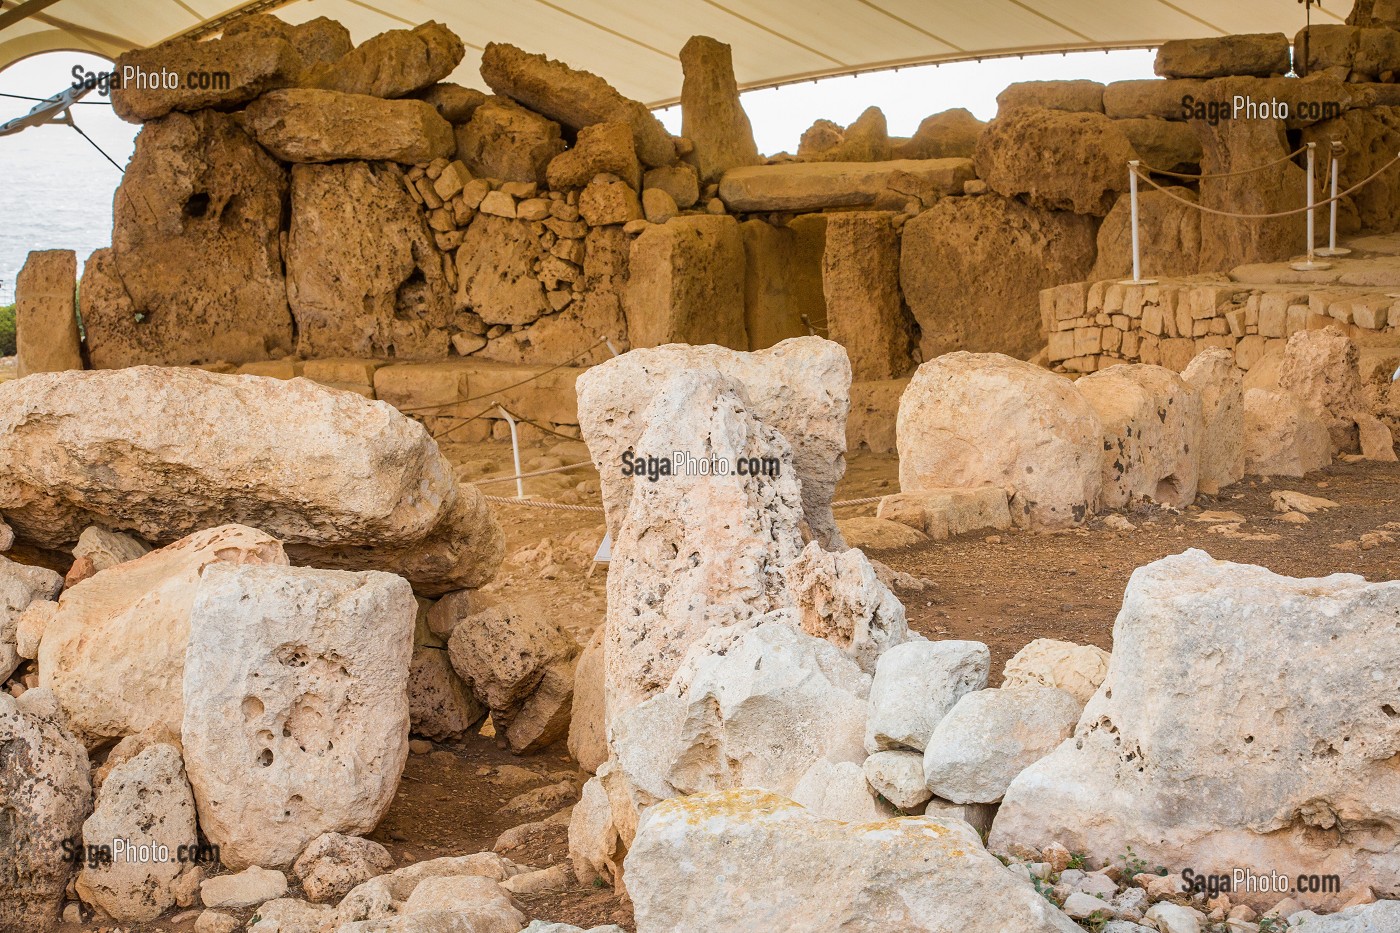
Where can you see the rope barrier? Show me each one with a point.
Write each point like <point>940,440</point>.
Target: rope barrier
<point>558,469</point>
<point>1300,210</point>
<point>476,398</point>
<point>1243,171</point>
<point>537,504</point>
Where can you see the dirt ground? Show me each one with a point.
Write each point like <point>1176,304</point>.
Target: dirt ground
<point>1004,588</point>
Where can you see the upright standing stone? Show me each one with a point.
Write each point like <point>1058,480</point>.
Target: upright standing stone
<point>864,309</point>
<point>687,284</point>
<point>46,322</point>
<point>711,116</point>
<point>783,278</point>
<point>1221,386</point>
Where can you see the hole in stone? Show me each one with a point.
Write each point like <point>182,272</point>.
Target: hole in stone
<point>197,205</point>
<point>252,708</point>
<point>265,757</point>
<point>1389,710</point>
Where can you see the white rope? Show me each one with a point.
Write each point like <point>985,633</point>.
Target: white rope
<point>559,469</point>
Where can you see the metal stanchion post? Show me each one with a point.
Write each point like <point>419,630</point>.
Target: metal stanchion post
<point>1310,264</point>
<point>1332,249</point>
<point>1137,278</point>
<point>515,447</point>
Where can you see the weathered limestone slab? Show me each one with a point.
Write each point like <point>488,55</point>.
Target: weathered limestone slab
<point>1259,54</point>
<point>1369,136</point>
<point>1076,669</point>
<point>313,125</point>
<point>363,275</point>
<point>296,706</point>
<point>574,98</point>
<point>1077,96</point>
<point>915,686</point>
<point>798,387</point>
<point>1283,437</point>
<point>1220,383</point>
<point>782,278</point>
<point>495,271</point>
<point>810,186</point>
<point>1320,369</point>
<point>949,134</point>
<point>317,41</point>
<point>1169,236</point>
<point>840,598</point>
<point>20,586</point>
<point>941,513</point>
<point>114,651</point>
<point>720,862</point>
<point>392,64</point>
<point>45,795</point>
<point>1057,160</point>
<point>234,69</point>
<point>601,148</point>
<point>865,312</point>
<point>712,117</point>
<point>197,260</point>
<point>1162,144</point>
<point>970,419</point>
<point>865,140</point>
<point>1305,789</point>
<point>46,322</point>
<point>504,140</point>
<point>971,270</point>
<point>686,284</point>
<point>453,102</point>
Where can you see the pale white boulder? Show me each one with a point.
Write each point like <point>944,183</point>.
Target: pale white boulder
<point>1048,662</point>
<point>1152,429</point>
<point>475,903</point>
<point>990,736</point>
<point>1378,917</point>
<point>44,796</point>
<point>20,586</point>
<point>295,705</point>
<point>745,860</point>
<point>799,387</point>
<point>898,776</point>
<point>107,548</point>
<point>915,686</point>
<point>973,419</point>
<point>1220,383</point>
<point>838,791</point>
<point>334,863</point>
<point>145,813</point>
<point>1196,751</point>
<point>695,550</point>
<point>1282,436</point>
<point>250,887</point>
<point>588,737</point>
<point>114,652</point>
<point>755,708</point>
<point>839,598</point>
<point>595,850</point>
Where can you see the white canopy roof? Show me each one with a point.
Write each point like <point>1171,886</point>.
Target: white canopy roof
<point>634,43</point>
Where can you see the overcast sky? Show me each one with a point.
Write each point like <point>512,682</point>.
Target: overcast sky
<point>56,189</point>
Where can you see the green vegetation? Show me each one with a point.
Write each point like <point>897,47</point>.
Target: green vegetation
<point>7,330</point>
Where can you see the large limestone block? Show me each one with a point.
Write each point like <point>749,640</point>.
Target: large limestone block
<point>1282,436</point>
<point>104,548</point>
<point>799,387</point>
<point>745,860</point>
<point>1152,428</point>
<point>811,186</point>
<point>990,736</point>
<point>46,321</point>
<point>1055,159</point>
<point>313,125</point>
<point>1369,135</point>
<point>1233,145</point>
<point>196,272</point>
<point>392,64</point>
<point>114,653</point>
<point>317,41</point>
<point>783,278</point>
<point>1163,144</point>
<point>970,419</point>
<point>695,549</point>
<point>495,271</point>
<point>839,791</point>
<point>712,117</point>
<point>220,73</point>
<point>20,585</point>
<point>1169,236</point>
<point>574,98</point>
<point>333,864</point>
<point>1220,384</point>
<point>865,140</point>
<point>760,714</point>
<point>839,598</point>
<point>453,102</point>
<point>1047,662</point>
<point>600,148</point>
<point>133,450</point>
<point>1078,96</point>
<point>915,686</point>
<point>1377,917</point>
<point>588,719</point>
<point>1260,54</point>
<point>296,706</point>
<point>972,269</point>
<point>45,796</point>
<point>1320,368</point>
<point>364,278</point>
<point>440,705</point>
<point>144,801</point>
<point>504,140</point>
<point>942,513</point>
<point>898,776</point>
<point>1194,754</point>
<point>949,134</point>
<point>686,284</point>
<point>865,311</point>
